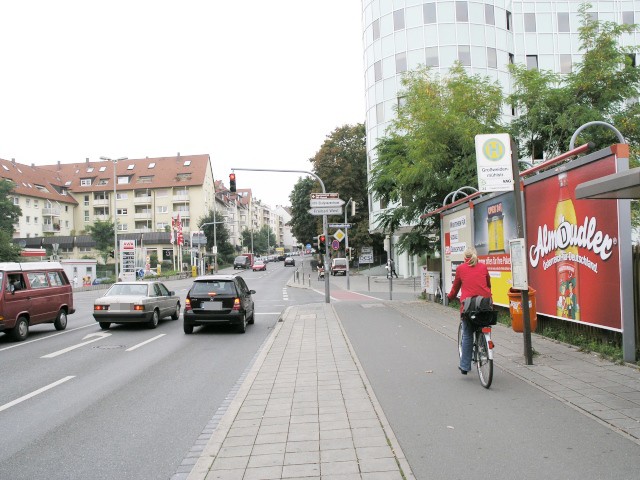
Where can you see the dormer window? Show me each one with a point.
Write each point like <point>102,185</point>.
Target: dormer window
<point>123,179</point>
<point>152,165</point>
<point>103,181</point>
<point>90,169</point>
<point>187,163</point>
<point>130,167</point>
<point>102,169</point>
<point>183,176</point>
<point>85,182</point>
<point>145,179</point>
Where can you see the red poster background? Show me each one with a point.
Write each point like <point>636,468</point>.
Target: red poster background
<point>599,291</point>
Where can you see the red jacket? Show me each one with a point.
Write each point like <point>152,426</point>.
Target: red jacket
<point>473,281</point>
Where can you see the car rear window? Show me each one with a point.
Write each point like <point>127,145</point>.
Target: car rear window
<point>220,287</point>
<point>127,289</point>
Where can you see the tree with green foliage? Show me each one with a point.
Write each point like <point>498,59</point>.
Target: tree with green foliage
<point>304,226</point>
<point>102,233</point>
<point>9,252</point>
<point>226,252</point>
<point>429,150</point>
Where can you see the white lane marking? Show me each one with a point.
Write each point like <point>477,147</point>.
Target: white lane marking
<point>99,335</point>
<point>145,342</point>
<point>33,394</point>
<point>22,344</point>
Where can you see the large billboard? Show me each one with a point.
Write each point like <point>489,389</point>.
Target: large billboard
<point>494,223</point>
<point>573,248</point>
<point>457,231</point>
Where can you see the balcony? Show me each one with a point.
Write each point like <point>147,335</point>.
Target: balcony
<point>182,213</point>
<point>145,199</point>
<point>101,202</point>
<point>50,212</point>
<point>181,198</point>
<point>143,215</point>
<point>102,218</point>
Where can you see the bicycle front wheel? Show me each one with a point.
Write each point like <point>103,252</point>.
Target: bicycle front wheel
<point>484,363</point>
<point>460,340</point>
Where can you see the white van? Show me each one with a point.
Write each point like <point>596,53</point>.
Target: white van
<point>339,265</point>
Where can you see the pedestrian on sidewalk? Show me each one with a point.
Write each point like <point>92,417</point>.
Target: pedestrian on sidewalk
<point>473,279</point>
<point>391,268</point>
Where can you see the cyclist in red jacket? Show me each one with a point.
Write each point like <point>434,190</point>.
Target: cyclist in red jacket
<point>473,278</point>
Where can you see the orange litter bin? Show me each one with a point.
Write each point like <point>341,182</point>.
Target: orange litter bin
<point>517,314</point>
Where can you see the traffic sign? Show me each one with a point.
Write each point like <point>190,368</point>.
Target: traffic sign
<point>324,195</point>
<point>339,225</point>
<point>366,258</point>
<point>335,244</point>
<point>325,211</point>
<point>339,235</point>
<point>326,202</point>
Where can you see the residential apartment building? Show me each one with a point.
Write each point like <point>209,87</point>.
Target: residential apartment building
<point>484,36</point>
<point>47,207</point>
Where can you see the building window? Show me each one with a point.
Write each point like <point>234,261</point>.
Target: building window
<point>563,22</point>
<point>86,215</point>
<point>28,200</point>
<point>429,12</point>
<point>66,223</point>
<point>632,59</point>
<point>376,29</point>
<point>100,196</point>
<point>431,56</point>
<point>183,176</point>
<point>402,101</point>
<point>122,195</point>
<point>161,225</point>
<point>162,209</point>
<point>379,112</point>
<point>512,59</point>
<point>462,12</point>
<point>66,208</point>
<point>28,219</point>
<point>35,220</point>
<point>398,20</point>
<point>464,55</point>
<point>532,62</point>
<point>103,181</point>
<point>509,21</point>
<point>401,62</point>
<point>489,14</point>
<point>16,200</point>
<point>36,204</point>
<point>86,200</point>
<point>529,22</point>
<point>122,211</point>
<point>377,71</point>
<point>85,182</point>
<point>123,227</point>
<point>492,58</point>
<point>565,63</point>
<point>628,18</point>
<point>122,180</point>
<point>145,179</point>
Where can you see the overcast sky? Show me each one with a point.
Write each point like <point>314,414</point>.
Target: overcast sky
<point>253,83</point>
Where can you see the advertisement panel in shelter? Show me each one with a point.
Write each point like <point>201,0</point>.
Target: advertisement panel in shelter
<point>494,222</point>
<point>573,252</point>
<point>456,227</point>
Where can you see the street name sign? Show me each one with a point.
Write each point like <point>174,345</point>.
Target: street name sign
<point>325,211</point>
<point>339,225</point>
<point>326,202</point>
<point>324,195</point>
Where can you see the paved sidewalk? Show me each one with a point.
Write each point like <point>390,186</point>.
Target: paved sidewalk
<point>305,410</point>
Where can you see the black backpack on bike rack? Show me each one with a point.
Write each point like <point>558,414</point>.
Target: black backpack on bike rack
<point>479,311</point>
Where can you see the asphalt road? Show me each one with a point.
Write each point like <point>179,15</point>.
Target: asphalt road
<point>450,427</point>
<point>129,402</point>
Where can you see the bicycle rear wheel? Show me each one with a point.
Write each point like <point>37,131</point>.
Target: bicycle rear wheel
<point>483,363</point>
<point>460,340</point>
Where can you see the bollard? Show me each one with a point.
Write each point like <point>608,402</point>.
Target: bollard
<point>309,280</point>
<point>368,283</point>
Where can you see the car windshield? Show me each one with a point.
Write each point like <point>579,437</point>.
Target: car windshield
<point>219,287</point>
<point>127,289</point>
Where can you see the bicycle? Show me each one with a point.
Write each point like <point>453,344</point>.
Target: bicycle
<point>482,353</point>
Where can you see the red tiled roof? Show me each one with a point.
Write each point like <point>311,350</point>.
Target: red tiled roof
<point>29,178</point>
<point>188,170</point>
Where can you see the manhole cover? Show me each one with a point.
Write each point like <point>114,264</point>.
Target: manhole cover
<point>109,347</point>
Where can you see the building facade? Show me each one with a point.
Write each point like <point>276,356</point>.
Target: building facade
<point>484,36</point>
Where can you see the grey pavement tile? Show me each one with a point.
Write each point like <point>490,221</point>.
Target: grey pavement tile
<point>267,460</point>
<point>365,423</point>
<point>229,463</point>
<point>242,431</point>
<point>252,422</point>
<point>336,425</point>
<point>275,428</point>
<point>360,415</point>
<point>297,458</point>
<point>249,415</point>
<point>336,443</point>
<point>382,476</point>
<point>619,403</point>
<point>268,448</point>
<point>304,411</point>
<point>333,434</point>
<point>368,465</point>
<point>334,416</point>
<point>379,440</point>
<point>366,432</point>
<point>314,418</point>
<point>235,441</point>
<point>334,468</point>
<point>235,451</point>
<point>338,455</point>
<point>303,436</point>
<point>303,470</point>
<point>373,452</point>
<point>608,414</point>
<point>633,413</point>
<point>625,423</point>
<point>304,446</point>
<point>263,473</point>
<point>236,474</point>
<point>631,396</point>
<point>271,438</point>
<point>345,476</point>
<point>284,419</point>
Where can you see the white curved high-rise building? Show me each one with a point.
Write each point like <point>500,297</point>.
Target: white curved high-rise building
<point>485,36</point>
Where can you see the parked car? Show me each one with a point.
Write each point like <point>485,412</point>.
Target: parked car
<point>259,265</point>
<point>339,265</point>
<point>219,299</point>
<point>102,280</point>
<point>289,262</point>
<point>136,302</point>
<point>241,261</point>
<point>33,293</point>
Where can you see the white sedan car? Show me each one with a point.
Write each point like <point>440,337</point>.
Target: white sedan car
<point>136,302</point>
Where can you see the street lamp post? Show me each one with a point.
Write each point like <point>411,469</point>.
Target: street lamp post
<point>115,211</point>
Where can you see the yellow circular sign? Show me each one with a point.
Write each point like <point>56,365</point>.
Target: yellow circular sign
<point>493,149</point>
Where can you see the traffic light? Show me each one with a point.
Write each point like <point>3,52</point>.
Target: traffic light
<point>321,241</point>
<point>315,242</point>
<point>232,182</point>
<point>112,254</point>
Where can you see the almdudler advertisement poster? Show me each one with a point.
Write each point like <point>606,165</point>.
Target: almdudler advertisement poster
<point>456,227</point>
<point>573,253</point>
<point>494,221</point>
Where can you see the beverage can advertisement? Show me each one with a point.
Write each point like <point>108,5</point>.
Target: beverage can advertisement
<point>573,252</point>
